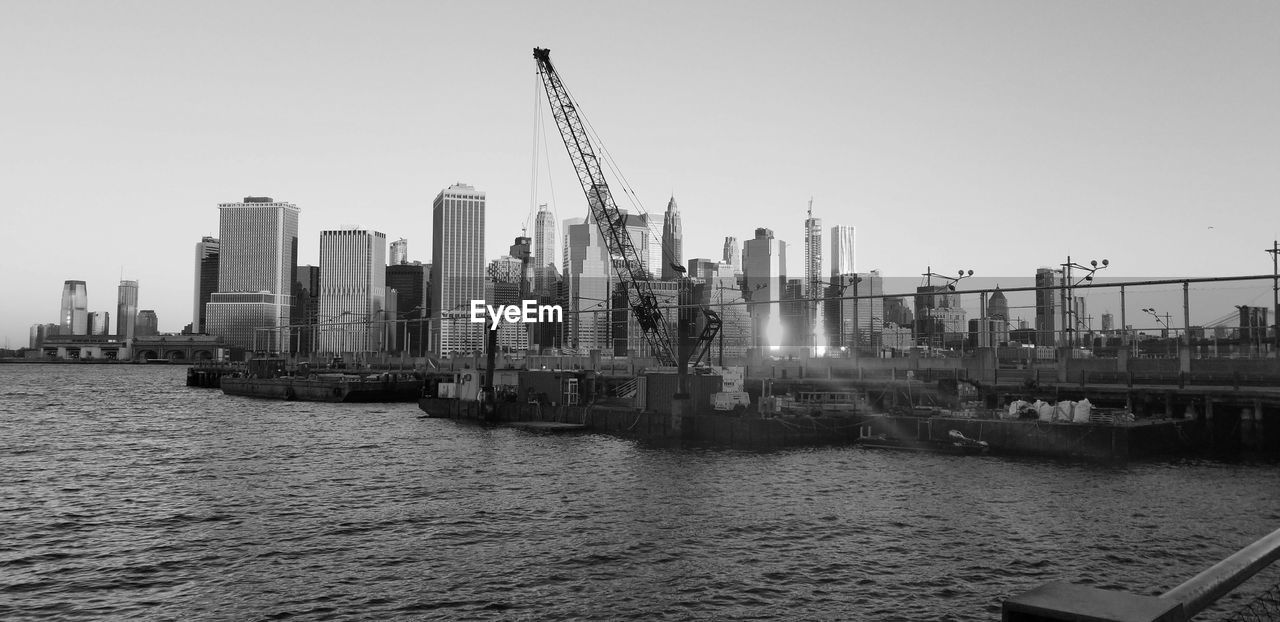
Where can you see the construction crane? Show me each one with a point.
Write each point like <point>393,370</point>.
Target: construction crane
<point>612,224</point>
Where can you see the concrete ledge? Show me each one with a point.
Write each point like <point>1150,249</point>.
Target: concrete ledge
<point>1064,601</point>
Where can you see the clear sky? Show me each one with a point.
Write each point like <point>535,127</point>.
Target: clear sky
<point>992,136</point>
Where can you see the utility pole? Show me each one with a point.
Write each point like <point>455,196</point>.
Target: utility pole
<point>1275,291</point>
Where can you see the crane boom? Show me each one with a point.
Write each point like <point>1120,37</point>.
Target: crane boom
<point>611,223</point>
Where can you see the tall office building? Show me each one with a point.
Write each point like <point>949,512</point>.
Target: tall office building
<point>852,320</point>
<point>544,252</point>
<point>998,306</point>
<point>74,317</point>
<point>703,269</point>
<point>126,309</point>
<point>353,297</point>
<point>400,252</point>
<point>732,254</point>
<point>206,282</point>
<point>306,310</point>
<point>588,278</point>
<point>100,323</point>
<point>257,269</point>
<point>765,276</point>
<point>410,282</point>
<point>457,268</point>
<point>842,245</point>
<point>148,324</point>
<point>672,242</point>
<point>1046,307</point>
<point>811,286</point>
<point>503,288</point>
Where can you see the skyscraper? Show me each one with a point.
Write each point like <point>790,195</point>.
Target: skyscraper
<point>256,272</point>
<point>811,286</point>
<point>732,254</point>
<point>74,317</point>
<point>410,282</point>
<point>544,251</point>
<point>206,282</point>
<point>765,276</point>
<point>588,280</point>
<point>353,272</point>
<point>672,242</point>
<point>503,288</point>
<point>99,323</point>
<point>306,309</point>
<point>1046,297</point>
<point>457,268</point>
<point>400,252</point>
<point>148,324</point>
<point>842,244</point>
<point>126,309</point>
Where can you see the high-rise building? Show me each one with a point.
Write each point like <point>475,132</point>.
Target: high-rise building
<point>544,252</point>
<point>40,331</point>
<point>148,324</point>
<point>503,288</point>
<point>812,283</point>
<point>842,245</point>
<point>457,268</point>
<point>206,282</point>
<point>998,306</point>
<point>400,252</point>
<point>126,309</point>
<point>672,242</point>
<point>732,254</point>
<point>353,272</point>
<point>851,319</point>
<point>257,269</point>
<point>74,317</point>
<point>1108,323</point>
<point>100,323</point>
<point>765,275</point>
<point>588,277</point>
<point>306,310</point>
<point>703,269</point>
<point>410,282</point>
<point>1046,307</point>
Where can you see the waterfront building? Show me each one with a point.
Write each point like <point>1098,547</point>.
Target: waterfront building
<point>399,252</point>
<point>411,282</point>
<point>206,281</point>
<point>257,269</point>
<point>100,323</point>
<point>765,275</point>
<point>1046,307</point>
<point>672,242</point>
<point>126,309</point>
<point>40,332</point>
<point>544,252</point>
<point>306,310</point>
<point>353,265</point>
<point>148,325</point>
<point>74,317</point>
<point>457,265</point>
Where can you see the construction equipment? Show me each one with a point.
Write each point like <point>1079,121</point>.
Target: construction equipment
<point>612,225</point>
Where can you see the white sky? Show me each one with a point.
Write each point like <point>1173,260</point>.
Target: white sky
<point>993,136</point>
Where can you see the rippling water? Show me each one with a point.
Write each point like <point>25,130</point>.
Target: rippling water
<point>124,494</point>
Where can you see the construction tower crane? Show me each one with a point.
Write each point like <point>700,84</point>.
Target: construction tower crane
<point>612,224</point>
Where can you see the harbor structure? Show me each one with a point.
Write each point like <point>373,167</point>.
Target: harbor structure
<point>353,264</point>
<point>126,309</point>
<point>457,268</point>
<point>206,280</point>
<point>257,267</point>
<point>74,316</point>
<point>672,242</point>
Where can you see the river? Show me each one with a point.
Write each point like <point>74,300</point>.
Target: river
<point>126,495</point>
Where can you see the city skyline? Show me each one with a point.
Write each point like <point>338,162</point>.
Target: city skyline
<point>942,133</point>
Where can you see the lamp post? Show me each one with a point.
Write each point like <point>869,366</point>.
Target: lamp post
<point>951,285</point>
<point>1163,323</point>
<point>1069,292</point>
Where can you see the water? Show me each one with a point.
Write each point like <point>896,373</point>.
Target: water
<point>126,495</point>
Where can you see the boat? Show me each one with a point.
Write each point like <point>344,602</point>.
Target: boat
<point>335,387</point>
<point>956,443</point>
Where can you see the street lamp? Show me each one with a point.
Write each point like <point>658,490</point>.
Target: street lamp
<point>1163,323</point>
<point>951,285</point>
<point>1069,292</point>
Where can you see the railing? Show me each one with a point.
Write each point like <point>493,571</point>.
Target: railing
<point>1063,601</point>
